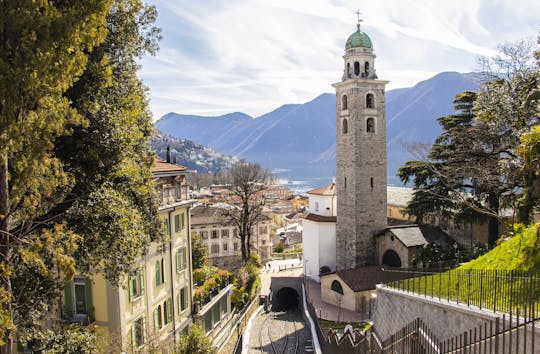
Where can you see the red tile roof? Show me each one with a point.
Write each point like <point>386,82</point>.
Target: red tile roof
<point>164,166</point>
<point>326,190</point>
<point>319,218</point>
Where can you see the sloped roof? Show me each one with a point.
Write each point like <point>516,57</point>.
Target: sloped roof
<point>419,235</point>
<point>366,278</point>
<point>161,165</point>
<point>319,218</point>
<point>329,190</point>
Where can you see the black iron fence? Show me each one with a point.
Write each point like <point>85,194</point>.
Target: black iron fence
<point>514,333</point>
<point>495,290</point>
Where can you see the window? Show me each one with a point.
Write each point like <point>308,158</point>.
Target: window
<point>216,312</point>
<point>158,320</point>
<point>316,206</point>
<point>182,299</point>
<point>138,332</point>
<point>181,259</point>
<point>214,233</point>
<point>182,221</point>
<point>370,100</point>
<point>160,272</point>
<point>336,286</point>
<point>263,242</point>
<point>214,249</point>
<point>235,246</point>
<point>356,68</point>
<point>370,125</point>
<point>83,293</point>
<point>235,233</point>
<point>225,233</point>
<point>176,223</point>
<point>167,311</point>
<point>371,182</point>
<point>344,102</point>
<point>165,226</point>
<point>366,68</point>
<point>203,234</point>
<point>223,306</point>
<point>263,229</point>
<point>225,247</point>
<point>136,284</point>
<point>208,322</point>
<point>344,126</point>
<point>345,182</point>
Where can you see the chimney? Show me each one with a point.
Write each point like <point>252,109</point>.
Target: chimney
<point>168,154</point>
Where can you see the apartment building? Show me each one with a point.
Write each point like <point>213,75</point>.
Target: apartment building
<point>221,236</point>
<point>153,307</point>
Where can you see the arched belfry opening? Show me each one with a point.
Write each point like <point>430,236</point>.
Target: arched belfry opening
<point>366,69</point>
<point>356,68</point>
<point>344,102</point>
<point>370,101</point>
<point>391,259</point>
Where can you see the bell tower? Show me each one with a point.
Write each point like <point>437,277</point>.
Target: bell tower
<point>360,155</point>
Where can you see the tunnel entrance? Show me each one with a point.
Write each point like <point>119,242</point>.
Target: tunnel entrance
<point>285,299</point>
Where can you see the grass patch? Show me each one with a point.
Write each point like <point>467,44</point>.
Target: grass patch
<point>507,277</point>
<point>339,326</point>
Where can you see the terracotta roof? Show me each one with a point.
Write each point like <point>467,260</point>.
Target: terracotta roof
<point>319,218</point>
<point>419,235</point>
<point>164,166</point>
<point>326,190</point>
<point>366,278</point>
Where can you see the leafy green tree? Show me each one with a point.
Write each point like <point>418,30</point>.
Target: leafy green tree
<point>195,342</point>
<point>44,48</point>
<point>70,340</point>
<point>75,183</point>
<point>474,168</point>
<point>199,251</point>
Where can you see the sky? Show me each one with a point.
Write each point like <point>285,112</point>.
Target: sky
<point>252,56</point>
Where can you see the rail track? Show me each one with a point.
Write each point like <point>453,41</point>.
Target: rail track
<point>280,332</point>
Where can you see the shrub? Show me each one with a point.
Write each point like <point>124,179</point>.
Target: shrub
<point>279,247</point>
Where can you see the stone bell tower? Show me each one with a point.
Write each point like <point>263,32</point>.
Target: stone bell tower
<point>360,155</point>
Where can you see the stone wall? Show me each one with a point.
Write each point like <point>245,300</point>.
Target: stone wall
<point>394,310</point>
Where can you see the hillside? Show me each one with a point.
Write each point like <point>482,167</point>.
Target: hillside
<point>191,155</point>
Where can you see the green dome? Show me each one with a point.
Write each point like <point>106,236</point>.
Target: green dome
<point>358,39</point>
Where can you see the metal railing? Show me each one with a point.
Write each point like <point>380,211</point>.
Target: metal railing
<point>494,290</point>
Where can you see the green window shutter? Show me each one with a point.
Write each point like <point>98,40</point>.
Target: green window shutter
<point>134,335</point>
<point>169,310</point>
<point>68,298</point>
<point>168,227</point>
<point>184,258</point>
<point>163,271</point>
<point>144,329</point>
<point>156,318</point>
<point>89,302</point>
<point>178,261</point>
<point>183,221</point>
<point>158,273</point>
<point>141,279</point>
<point>131,287</point>
<point>176,223</point>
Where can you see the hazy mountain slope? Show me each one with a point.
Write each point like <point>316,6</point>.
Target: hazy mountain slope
<point>302,136</point>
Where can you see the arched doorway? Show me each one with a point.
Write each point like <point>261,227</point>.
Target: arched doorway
<point>391,259</point>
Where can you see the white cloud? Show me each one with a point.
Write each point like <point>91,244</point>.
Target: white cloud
<point>255,55</point>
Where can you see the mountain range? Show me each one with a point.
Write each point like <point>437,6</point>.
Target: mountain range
<point>300,138</point>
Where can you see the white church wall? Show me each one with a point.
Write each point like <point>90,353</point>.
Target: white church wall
<point>319,241</point>
<point>322,205</point>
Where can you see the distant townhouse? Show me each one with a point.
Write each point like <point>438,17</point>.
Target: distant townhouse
<point>153,307</point>
<point>221,236</point>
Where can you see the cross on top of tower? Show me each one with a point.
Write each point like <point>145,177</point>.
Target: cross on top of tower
<point>358,13</point>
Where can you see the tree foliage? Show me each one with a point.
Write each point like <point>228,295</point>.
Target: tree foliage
<point>199,251</point>
<point>76,190</point>
<point>195,342</point>
<point>474,168</point>
<point>247,181</point>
